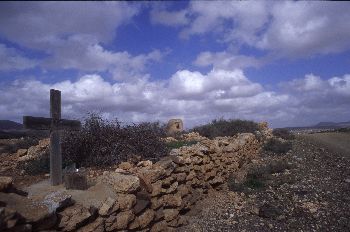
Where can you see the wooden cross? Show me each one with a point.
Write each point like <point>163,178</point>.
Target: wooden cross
<point>54,124</point>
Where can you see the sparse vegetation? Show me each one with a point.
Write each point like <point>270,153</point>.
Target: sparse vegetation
<point>257,175</point>
<point>277,146</point>
<point>178,144</point>
<point>283,133</point>
<point>102,143</point>
<point>344,130</point>
<point>36,166</point>
<point>11,146</point>
<point>222,127</point>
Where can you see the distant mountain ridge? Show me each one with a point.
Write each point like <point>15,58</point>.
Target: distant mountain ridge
<point>10,125</point>
<point>332,124</point>
<point>323,125</point>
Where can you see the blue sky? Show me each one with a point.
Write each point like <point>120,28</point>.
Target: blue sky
<point>285,62</point>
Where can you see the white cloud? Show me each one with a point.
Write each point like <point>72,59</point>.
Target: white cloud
<point>225,60</point>
<point>314,99</point>
<point>12,59</point>
<point>238,20</point>
<point>217,84</point>
<point>306,28</point>
<point>83,55</point>
<point>173,18</point>
<point>193,96</point>
<point>72,34</point>
<point>40,24</point>
<point>283,28</point>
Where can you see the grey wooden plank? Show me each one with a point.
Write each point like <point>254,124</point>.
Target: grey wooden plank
<point>36,123</point>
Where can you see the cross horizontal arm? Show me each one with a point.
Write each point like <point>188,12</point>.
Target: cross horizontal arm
<point>41,123</point>
<point>37,123</point>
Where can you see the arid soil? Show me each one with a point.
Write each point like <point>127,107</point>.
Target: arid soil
<point>313,194</point>
<point>336,142</point>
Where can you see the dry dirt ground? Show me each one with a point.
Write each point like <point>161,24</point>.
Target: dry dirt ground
<point>312,195</point>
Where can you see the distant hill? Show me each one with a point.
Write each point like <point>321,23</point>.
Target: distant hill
<point>323,125</point>
<point>332,124</point>
<point>10,125</point>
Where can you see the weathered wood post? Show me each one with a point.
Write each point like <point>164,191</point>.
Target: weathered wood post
<point>54,124</point>
<point>55,146</point>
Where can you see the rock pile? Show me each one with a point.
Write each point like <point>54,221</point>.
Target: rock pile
<point>265,131</point>
<point>147,196</point>
<point>192,136</point>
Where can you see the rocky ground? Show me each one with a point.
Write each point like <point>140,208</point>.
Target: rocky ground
<point>312,194</point>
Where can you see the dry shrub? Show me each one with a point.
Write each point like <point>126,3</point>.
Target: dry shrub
<point>12,145</point>
<point>224,127</point>
<point>283,133</point>
<point>103,143</point>
<point>277,146</point>
<point>37,166</point>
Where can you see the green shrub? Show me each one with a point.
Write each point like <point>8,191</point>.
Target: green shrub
<point>277,146</point>
<point>344,130</point>
<point>11,146</point>
<point>103,143</point>
<point>224,127</point>
<point>254,182</point>
<point>283,133</point>
<point>36,166</point>
<point>178,144</point>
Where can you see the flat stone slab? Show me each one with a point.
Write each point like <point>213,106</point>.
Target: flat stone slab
<point>93,196</point>
<point>35,212</point>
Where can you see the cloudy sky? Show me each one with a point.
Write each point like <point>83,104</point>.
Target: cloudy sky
<point>284,62</point>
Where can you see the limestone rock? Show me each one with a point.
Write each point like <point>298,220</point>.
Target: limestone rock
<point>156,202</point>
<point>172,187</point>
<point>58,200</point>
<point>193,136</point>
<point>36,152</point>
<point>122,183</point>
<point>96,226</point>
<point>183,190</point>
<point>217,180</point>
<point>123,219</point>
<point>21,152</point>
<point>145,163</point>
<point>170,214</point>
<point>119,221</point>
<point>125,165</point>
<point>152,175</point>
<point>126,201</point>
<point>166,164</point>
<point>141,204</point>
<point>171,200</point>
<point>145,218</point>
<point>108,207</point>
<point>159,214</point>
<point>176,158</point>
<point>156,188</point>
<point>160,226</point>
<point>35,213</point>
<point>180,177</point>
<point>5,183</point>
<point>74,217</point>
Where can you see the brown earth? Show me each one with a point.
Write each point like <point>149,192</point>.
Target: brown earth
<point>336,142</point>
<point>312,195</point>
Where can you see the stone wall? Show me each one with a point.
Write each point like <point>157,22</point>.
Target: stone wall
<point>152,196</point>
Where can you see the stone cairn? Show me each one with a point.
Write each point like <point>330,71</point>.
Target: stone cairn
<point>141,197</point>
<point>174,126</point>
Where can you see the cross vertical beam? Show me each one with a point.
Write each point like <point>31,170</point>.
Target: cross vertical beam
<point>54,124</point>
<point>55,152</point>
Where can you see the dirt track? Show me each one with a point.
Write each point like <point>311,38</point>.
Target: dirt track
<point>336,142</point>
<point>311,196</point>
